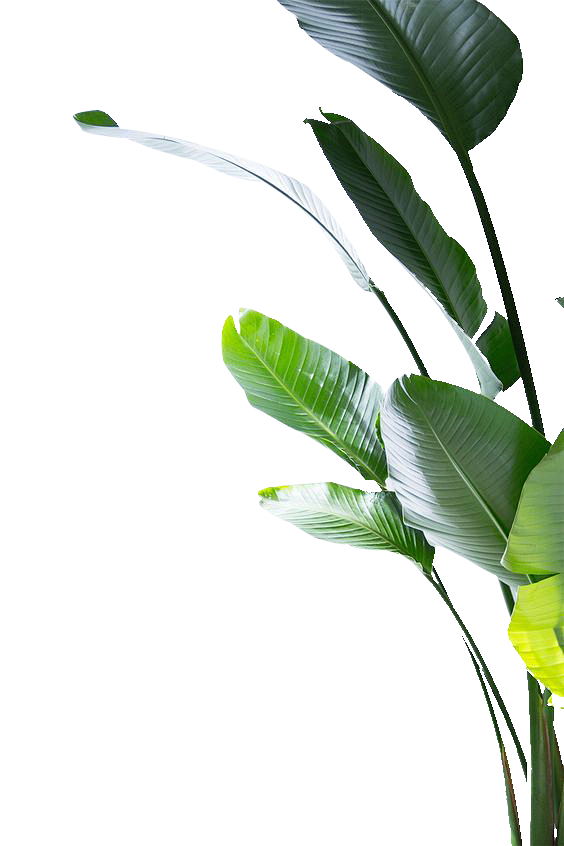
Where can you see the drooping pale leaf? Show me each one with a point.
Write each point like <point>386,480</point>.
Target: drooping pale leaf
<point>384,194</point>
<point>490,385</point>
<point>497,346</point>
<point>537,630</point>
<point>457,463</point>
<point>454,60</point>
<point>536,540</point>
<point>339,514</point>
<point>308,387</point>
<point>100,123</point>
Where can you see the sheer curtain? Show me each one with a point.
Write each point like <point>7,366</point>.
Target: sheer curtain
<point>224,663</point>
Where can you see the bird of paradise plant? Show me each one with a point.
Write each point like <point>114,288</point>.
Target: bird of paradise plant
<point>456,470</point>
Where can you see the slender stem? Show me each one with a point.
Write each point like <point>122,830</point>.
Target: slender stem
<point>511,807</point>
<point>506,292</point>
<point>400,327</point>
<point>510,792</point>
<point>497,696</point>
<point>508,596</point>
<point>542,809</point>
<point>560,822</point>
<point>558,779</point>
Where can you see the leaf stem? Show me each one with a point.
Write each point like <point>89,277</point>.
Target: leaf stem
<point>506,292</point>
<point>400,327</point>
<point>542,808</point>
<point>497,696</point>
<point>511,807</point>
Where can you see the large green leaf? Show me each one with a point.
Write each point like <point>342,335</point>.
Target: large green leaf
<point>496,344</point>
<point>537,630</point>
<point>308,387</point>
<point>99,123</point>
<point>339,514</point>
<point>452,59</point>
<point>384,194</point>
<point>536,540</point>
<point>457,462</point>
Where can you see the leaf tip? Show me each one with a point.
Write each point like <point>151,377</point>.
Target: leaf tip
<point>94,117</point>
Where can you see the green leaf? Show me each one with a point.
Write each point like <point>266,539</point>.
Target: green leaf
<point>94,118</point>
<point>308,387</point>
<point>231,165</point>
<point>384,194</point>
<point>537,630</point>
<point>496,344</point>
<point>457,462</point>
<point>542,808</point>
<point>560,301</point>
<point>453,59</point>
<point>339,514</point>
<point>536,540</point>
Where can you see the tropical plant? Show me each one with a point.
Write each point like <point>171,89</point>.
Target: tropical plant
<point>456,470</point>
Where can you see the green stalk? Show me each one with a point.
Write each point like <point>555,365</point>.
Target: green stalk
<point>493,687</point>
<point>560,838</point>
<point>437,582</point>
<point>558,779</point>
<point>510,793</point>
<point>506,292</point>
<point>542,804</point>
<point>400,327</point>
<point>511,807</point>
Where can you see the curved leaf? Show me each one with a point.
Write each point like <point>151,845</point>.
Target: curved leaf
<point>457,462</point>
<point>384,194</point>
<point>537,631</point>
<point>454,60</point>
<point>308,387</point>
<point>339,514</point>
<point>99,123</point>
<point>497,346</point>
<point>490,385</point>
<point>536,540</point>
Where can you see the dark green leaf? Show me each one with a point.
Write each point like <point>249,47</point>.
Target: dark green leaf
<point>457,462</point>
<point>560,300</point>
<point>384,194</point>
<point>339,514</point>
<point>308,387</point>
<point>452,59</point>
<point>542,809</point>
<point>497,346</point>
<point>94,118</point>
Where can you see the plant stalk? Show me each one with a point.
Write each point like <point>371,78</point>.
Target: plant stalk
<point>542,805</point>
<point>506,292</point>
<point>400,327</point>
<point>511,807</point>
<point>494,689</point>
<point>512,810</point>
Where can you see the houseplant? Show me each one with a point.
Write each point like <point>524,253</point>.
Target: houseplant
<point>456,470</point>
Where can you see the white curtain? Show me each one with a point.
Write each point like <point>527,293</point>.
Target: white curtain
<point>228,665</point>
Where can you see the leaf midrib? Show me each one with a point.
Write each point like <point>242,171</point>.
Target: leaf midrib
<point>266,181</point>
<point>351,520</point>
<point>345,447</point>
<point>471,487</point>
<point>428,259</point>
<point>390,24</point>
